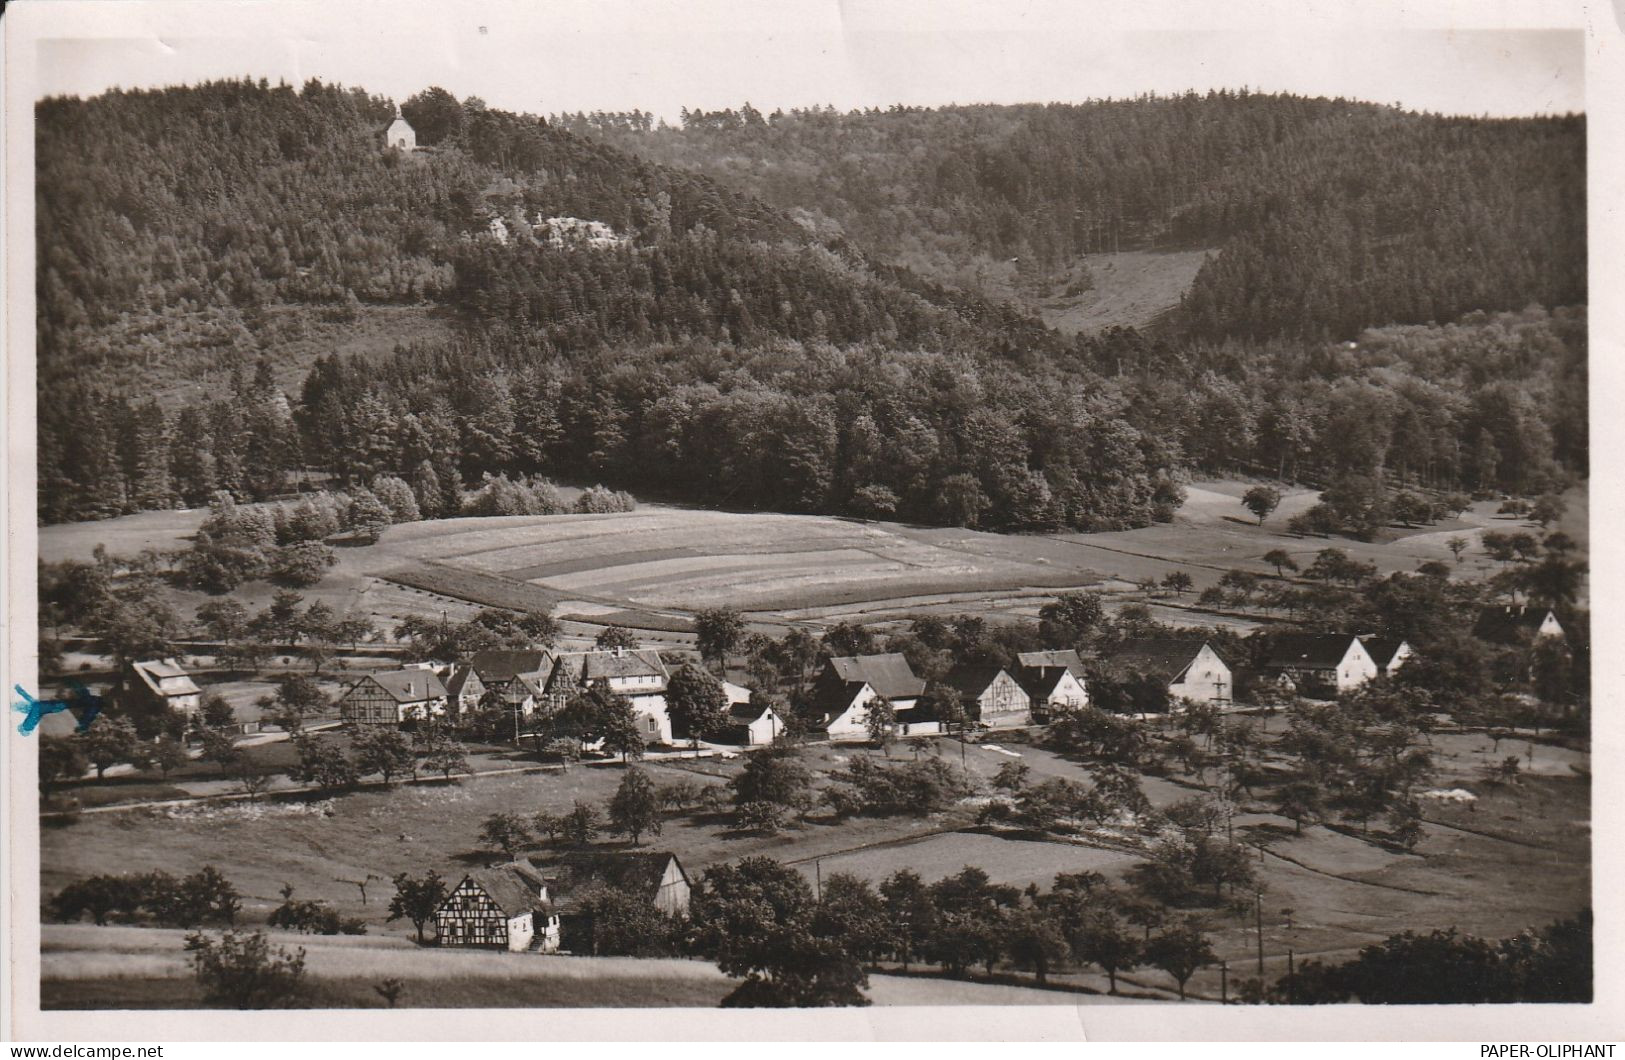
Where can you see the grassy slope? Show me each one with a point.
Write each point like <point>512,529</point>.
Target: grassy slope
<point>1471,870</point>
<point>1132,289</point>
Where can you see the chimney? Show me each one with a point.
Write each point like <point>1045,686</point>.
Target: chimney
<point>619,651</point>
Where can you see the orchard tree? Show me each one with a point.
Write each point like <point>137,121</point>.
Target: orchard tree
<point>1261,501</point>
<point>718,632</point>
<point>384,751</point>
<point>696,702</point>
<point>1180,950</point>
<point>1457,545</point>
<point>506,832</point>
<point>108,742</point>
<point>1281,560</point>
<point>635,808</point>
<point>417,898</point>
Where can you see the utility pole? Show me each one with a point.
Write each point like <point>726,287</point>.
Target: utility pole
<point>1291,979</point>
<point>1259,917</point>
<point>1224,982</point>
<point>818,872</point>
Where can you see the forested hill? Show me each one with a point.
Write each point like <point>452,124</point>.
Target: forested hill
<point>599,315</point>
<point>1326,216</point>
<point>543,302</point>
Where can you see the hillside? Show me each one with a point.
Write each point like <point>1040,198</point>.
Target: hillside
<point>1328,215</point>
<point>242,289</point>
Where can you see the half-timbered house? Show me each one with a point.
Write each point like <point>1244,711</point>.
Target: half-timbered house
<point>393,696</point>
<point>992,696</point>
<point>499,909</point>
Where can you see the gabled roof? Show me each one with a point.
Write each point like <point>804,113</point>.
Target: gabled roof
<point>408,686</point>
<point>504,665</point>
<point>508,889</point>
<point>165,677</point>
<point>1308,651</point>
<point>973,680</point>
<point>1165,657</point>
<point>1382,649</point>
<point>747,712</point>
<point>735,693</point>
<point>889,675</point>
<point>1506,623</point>
<point>1047,660</point>
<point>1040,682</point>
<point>637,872</point>
<point>458,679</point>
<point>601,665</point>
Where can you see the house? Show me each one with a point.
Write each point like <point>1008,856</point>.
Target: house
<point>499,908</point>
<point>846,685</point>
<point>1052,679</point>
<point>390,697</point>
<point>165,685</point>
<point>640,676</point>
<point>1389,653</point>
<point>1319,664</point>
<point>1191,669</point>
<point>655,876</point>
<point>1515,624</point>
<point>749,725</point>
<point>991,694</point>
<point>399,134</point>
<point>515,679</point>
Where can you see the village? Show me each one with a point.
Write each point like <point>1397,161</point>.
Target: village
<point>566,576</point>
<point>626,709</point>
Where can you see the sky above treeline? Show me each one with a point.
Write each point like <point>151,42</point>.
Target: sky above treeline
<point>664,55</point>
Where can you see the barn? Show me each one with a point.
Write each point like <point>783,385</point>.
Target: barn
<point>991,695</point>
<point>1191,669</point>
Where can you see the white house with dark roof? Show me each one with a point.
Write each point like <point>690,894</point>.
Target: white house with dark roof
<point>1388,653</point>
<point>846,685</point>
<point>166,685</point>
<point>1191,669</point>
<point>1317,664</point>
<point>639,675</point>
<point>390,697</point>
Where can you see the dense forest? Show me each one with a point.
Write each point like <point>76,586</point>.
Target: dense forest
<point>1328,216</point>
<point>718,346</point>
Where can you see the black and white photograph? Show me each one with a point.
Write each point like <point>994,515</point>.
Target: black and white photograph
<point>807,506</point>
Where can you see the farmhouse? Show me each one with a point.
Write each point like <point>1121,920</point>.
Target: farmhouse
<point>1052,679</point>
<point>640,676</point>
<point>499,909</point>
<point>1191,669</point>
<point>846,685</point>
<point>991,695</point>
<point>569,880</point>
<point>392,696</point>
<point>399,134</point>
<point>1388,653</point>
<point>1516,624</point>
<point>163,684</point>
<point>1319,663</point>
<point>511,680</point>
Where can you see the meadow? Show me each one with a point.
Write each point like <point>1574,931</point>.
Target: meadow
<point>651,569</point>
<point>1325,892</point>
